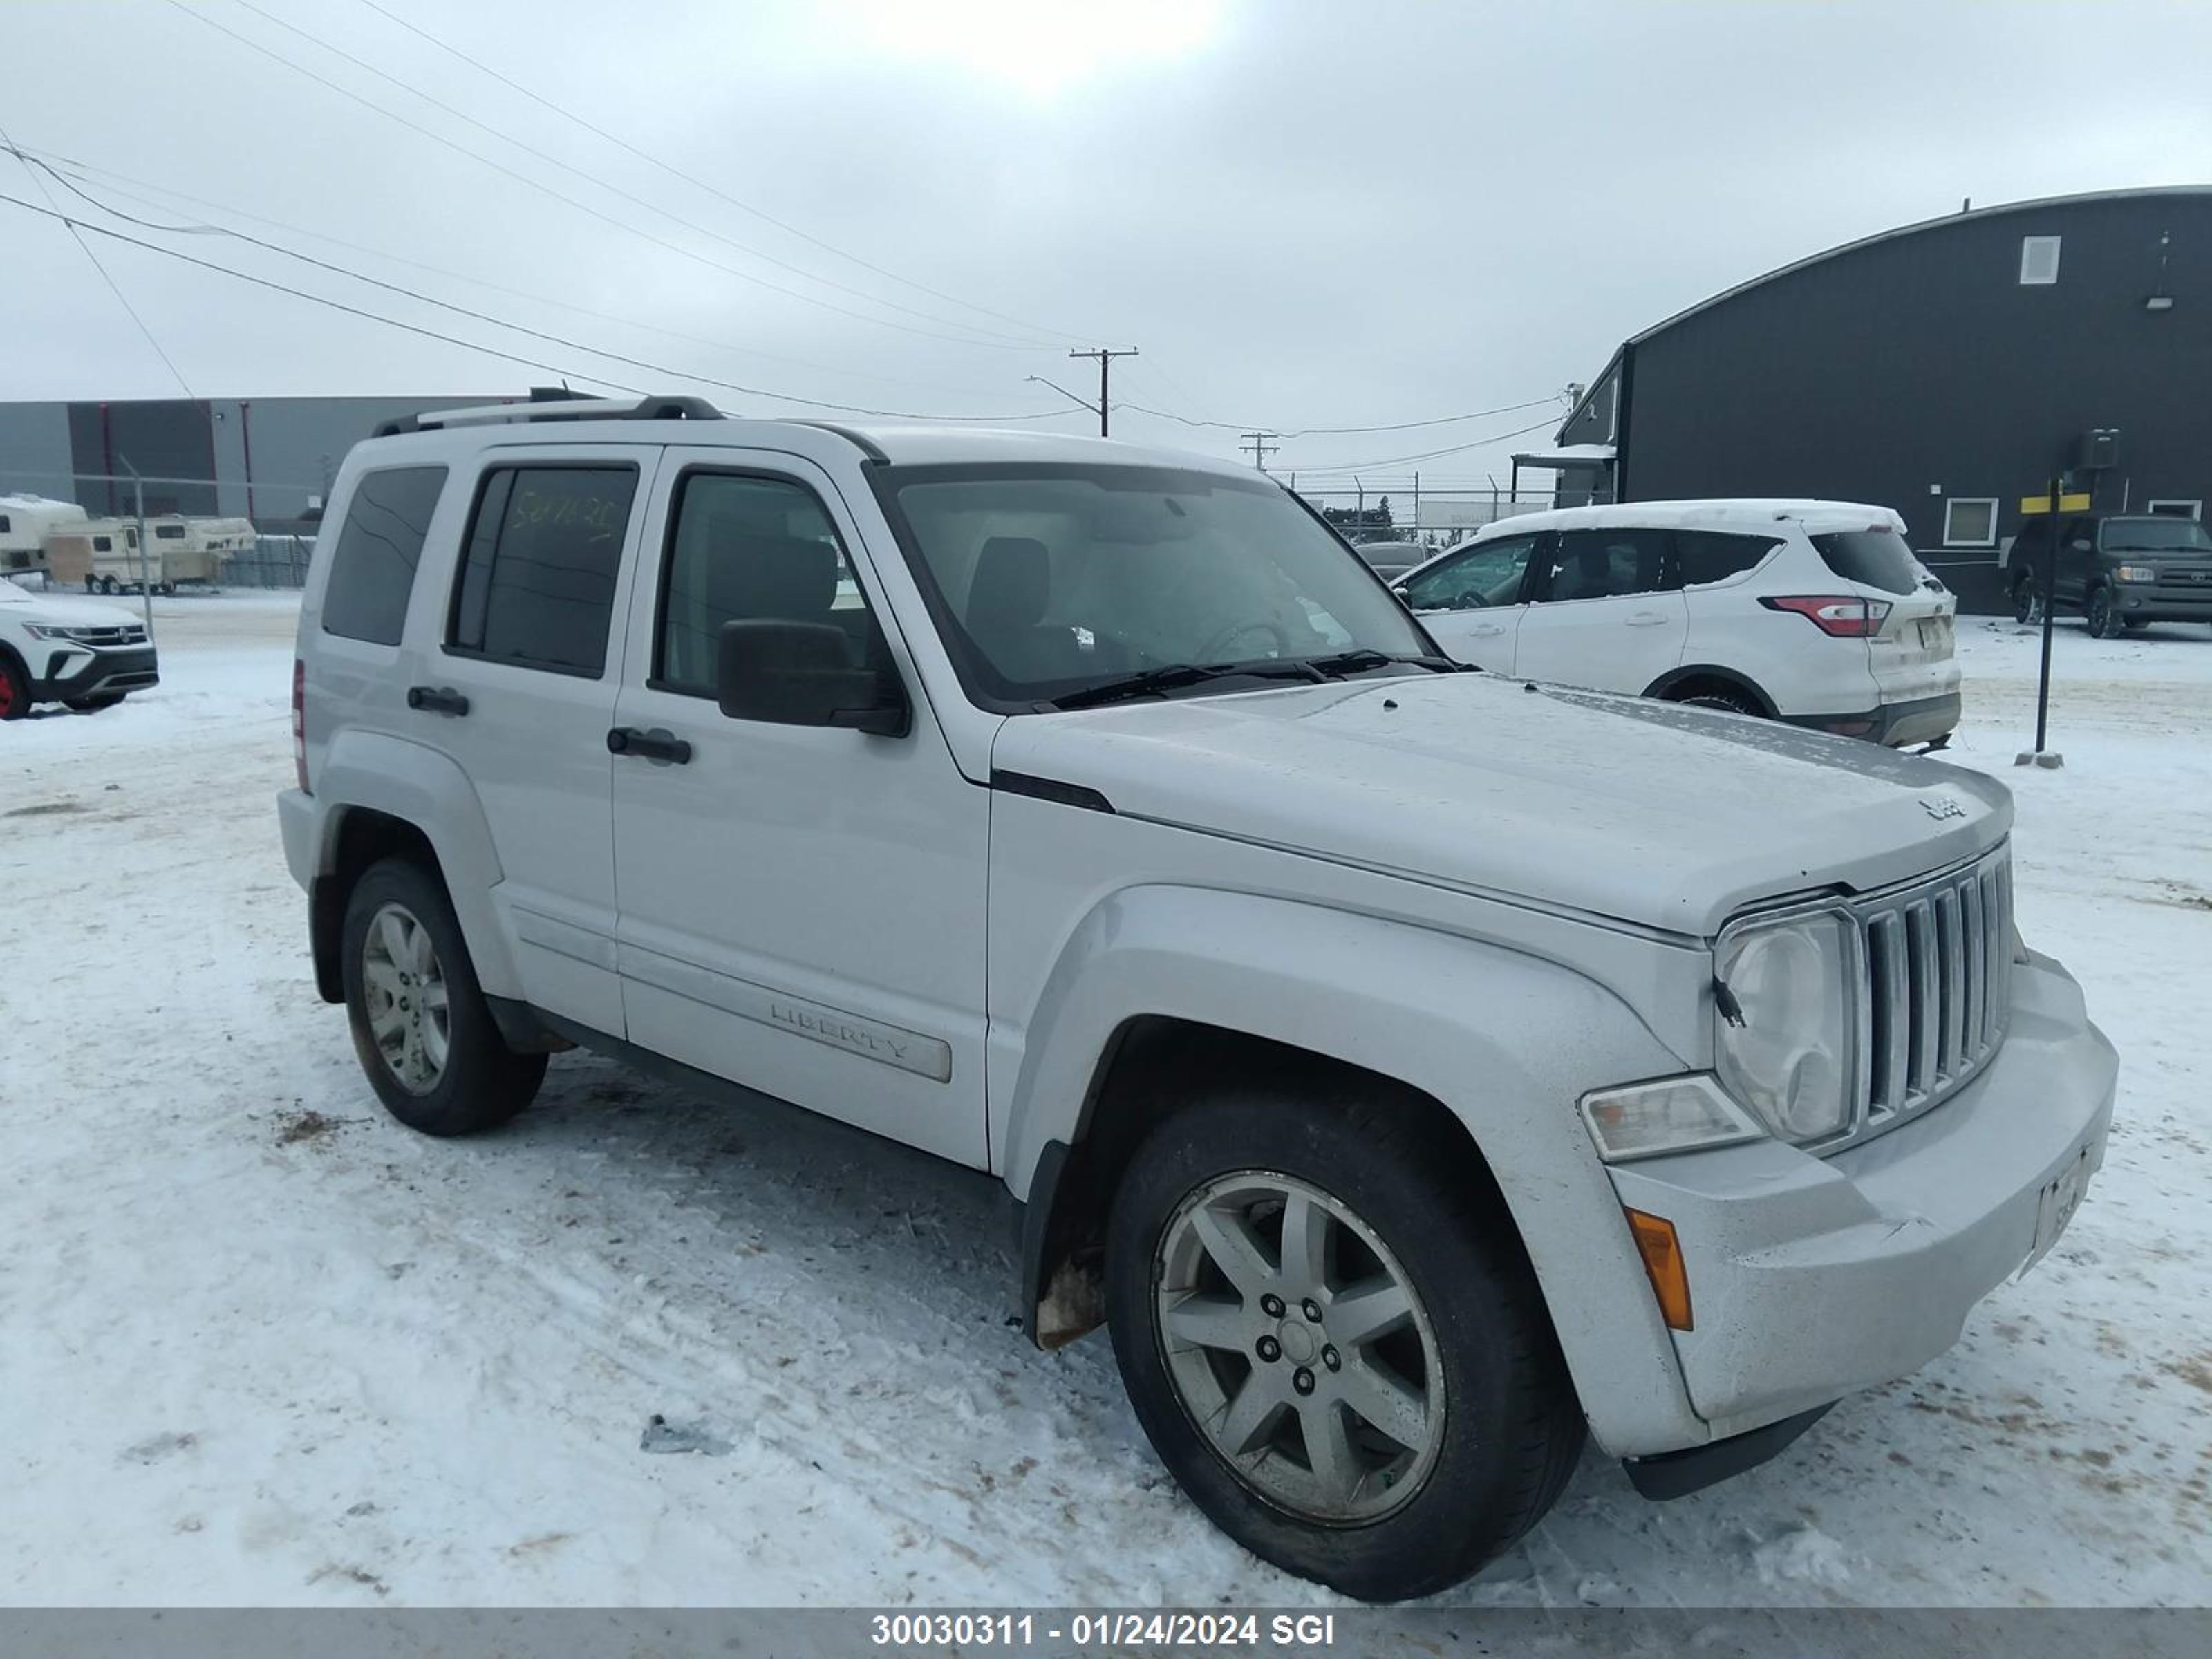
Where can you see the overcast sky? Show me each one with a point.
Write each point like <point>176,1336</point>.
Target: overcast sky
<point>1303,214</point>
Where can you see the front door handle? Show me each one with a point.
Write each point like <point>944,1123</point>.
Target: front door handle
<point>1646,619</point>
<point>657,744</point>
<point>438,699</point>
<point>1487,631</point>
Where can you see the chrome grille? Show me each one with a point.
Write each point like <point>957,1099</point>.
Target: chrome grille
<point>127,634</point>
<point>1934,985</point>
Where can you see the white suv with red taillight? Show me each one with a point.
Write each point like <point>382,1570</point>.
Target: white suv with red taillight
<point>1812,612</point>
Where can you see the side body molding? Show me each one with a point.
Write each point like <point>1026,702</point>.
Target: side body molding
<point>428,790</point>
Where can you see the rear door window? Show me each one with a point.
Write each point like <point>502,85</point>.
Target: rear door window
<point>1877,558</point>
<point>1602,564</point>
<point>1704,557</point>
<point>379,546</point>
<point>537,579</point>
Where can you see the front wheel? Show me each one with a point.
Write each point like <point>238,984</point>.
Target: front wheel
<point>2104,618</point>
<point>421,1027</point>
<point>1334,1343</point>
<point>2023,597</point>
<point>15,691</point>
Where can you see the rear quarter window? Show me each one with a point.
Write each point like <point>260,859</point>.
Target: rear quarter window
<point>1878,558</point>
<point>378,547</point>
<point>1714,556</point>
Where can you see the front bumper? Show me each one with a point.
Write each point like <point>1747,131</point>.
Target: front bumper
<point>80,671</point>
<point>1812,1278</point>
<point>2164,601</point>
<point>1920,720</point>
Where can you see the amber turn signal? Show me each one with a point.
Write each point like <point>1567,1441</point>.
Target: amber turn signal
<point>1663,1260</point>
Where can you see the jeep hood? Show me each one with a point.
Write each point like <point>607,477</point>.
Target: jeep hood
<point>1638,811</point>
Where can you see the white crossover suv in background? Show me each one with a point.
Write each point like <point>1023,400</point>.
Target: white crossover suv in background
<point>79,653</point>
<point>1812,612</point>
<point>1416,1072</point>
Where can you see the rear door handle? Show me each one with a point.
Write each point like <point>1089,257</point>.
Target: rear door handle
<point>438,699</point>
<point>657,744</point>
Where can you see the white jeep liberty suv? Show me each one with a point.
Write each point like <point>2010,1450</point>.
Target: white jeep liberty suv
<point>1415,1069</point>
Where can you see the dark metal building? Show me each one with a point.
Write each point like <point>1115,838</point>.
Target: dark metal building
<point>1944,369</point>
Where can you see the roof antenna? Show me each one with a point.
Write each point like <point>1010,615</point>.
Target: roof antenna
<point>1966,205</point>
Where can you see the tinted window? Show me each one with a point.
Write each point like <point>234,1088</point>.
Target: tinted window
<point>102,544</point>
<point>2156,536</point>
<point>373,572</point>
<point>1486,575</point>
<point>1878,558</point>
<point>537,582</point>
<point>745,548</point>
<point>1711,556</point>
<point>1600,564</point>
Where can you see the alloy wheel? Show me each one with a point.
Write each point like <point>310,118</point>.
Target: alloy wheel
<point>1296,1342</point>
<point>404,986</point>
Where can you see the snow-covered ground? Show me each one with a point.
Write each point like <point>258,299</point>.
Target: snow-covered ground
<point>258,1344</point>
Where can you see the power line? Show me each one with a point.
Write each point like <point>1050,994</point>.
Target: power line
<point>612,189</point>
<point>1399,460</point>
<point>67,168</point>
<point>700,184</point>
<point>532,333</point>
<point>585,207</point>
<point>1333,431</point>
<point>85,247</point>
<point>318,299</point>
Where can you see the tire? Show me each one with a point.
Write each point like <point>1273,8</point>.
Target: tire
<point>2023,598</point>
<point>14,689</point>
<point>1398,1201</point>
<point>2104,620</point>
<point>401,946</point>
<point>1735,702</point>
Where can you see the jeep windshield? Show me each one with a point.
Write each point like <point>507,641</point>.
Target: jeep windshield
<point>2156,536</point>
<point>1070,585</point>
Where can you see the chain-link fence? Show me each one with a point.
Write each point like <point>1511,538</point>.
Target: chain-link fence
<point>271,562</point>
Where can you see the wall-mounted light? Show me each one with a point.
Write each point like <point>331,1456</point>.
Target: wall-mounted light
<point>2159,302</point>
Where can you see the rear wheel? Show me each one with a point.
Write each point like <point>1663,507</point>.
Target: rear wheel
<point>2023,597</point>
<point>15,691</point>
<point>1334,1342</point>
<point>2104,618</point>
<point>421,1027</point>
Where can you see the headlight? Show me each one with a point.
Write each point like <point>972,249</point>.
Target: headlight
<point>2138,572</point>
<point>1784,1046</point>
<point>43,631</point>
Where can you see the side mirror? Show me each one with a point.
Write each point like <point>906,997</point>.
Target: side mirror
<point>795,673</point>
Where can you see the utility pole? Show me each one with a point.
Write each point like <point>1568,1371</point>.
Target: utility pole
<point>145,550</point>
<point>1256,445</point>
<point>1105,356</point>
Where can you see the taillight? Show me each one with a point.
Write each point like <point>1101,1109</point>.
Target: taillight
<point>1843,615</point>
<point>300,722</point>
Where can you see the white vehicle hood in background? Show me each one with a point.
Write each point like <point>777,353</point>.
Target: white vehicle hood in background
<point>50,611</point>
<point>1640,811</point>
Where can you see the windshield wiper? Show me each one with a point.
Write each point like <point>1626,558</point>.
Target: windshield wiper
<point>1173,677</point>
<point>1360,661</point>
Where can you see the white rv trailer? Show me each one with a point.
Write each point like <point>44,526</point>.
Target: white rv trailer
<point>25,521</point>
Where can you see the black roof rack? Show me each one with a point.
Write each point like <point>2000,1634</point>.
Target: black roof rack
<point>555,403</point>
